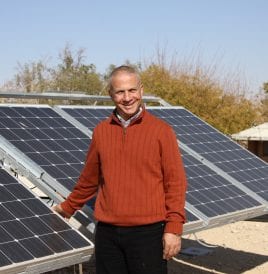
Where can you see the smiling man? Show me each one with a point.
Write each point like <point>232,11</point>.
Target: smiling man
<point>135,167</point>
<point>126,91</point>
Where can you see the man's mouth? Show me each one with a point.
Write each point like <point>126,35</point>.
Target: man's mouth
<point>128,105</point>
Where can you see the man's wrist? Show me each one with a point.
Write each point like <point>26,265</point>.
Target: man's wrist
<point>177,234</point>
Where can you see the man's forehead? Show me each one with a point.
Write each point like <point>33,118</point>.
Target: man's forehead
<point>124,74</point>
<point>125,78</point>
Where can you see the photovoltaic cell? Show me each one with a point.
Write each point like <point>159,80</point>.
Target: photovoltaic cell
<point>48,139</point>
<point>215,147</point>
<point>29,229</point>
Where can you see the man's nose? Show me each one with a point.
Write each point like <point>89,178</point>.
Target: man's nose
<point>126,96</point>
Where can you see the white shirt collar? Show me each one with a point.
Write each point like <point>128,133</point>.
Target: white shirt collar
<point>126,123</point>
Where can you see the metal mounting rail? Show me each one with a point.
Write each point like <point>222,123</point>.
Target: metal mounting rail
<point>72,96</point>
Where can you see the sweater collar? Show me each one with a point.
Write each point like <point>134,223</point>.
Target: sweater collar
<point>134,119</point>
<point>126,123</point>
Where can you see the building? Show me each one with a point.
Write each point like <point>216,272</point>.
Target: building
<point>256,139</point>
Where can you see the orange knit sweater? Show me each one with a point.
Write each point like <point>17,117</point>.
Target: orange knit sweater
<point>137,172</point>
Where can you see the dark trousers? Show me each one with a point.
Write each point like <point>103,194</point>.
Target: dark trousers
<point>129,250</point>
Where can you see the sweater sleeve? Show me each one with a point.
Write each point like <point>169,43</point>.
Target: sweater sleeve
<point>174,182</point>
<point>87,184</point>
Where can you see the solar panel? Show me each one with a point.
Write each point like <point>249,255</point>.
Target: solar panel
<point>218,149</point>
<point>88,117</point>
<point>31,234</point>
<point>46,138</point>
<point>211,193</point>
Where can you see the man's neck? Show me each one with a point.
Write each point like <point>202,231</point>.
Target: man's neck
<point>126,118</point>
<point>126,122</point>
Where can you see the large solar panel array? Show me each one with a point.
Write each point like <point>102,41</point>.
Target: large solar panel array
<point>30,233</point>
<point>49,140</point>
<point>211,194</point>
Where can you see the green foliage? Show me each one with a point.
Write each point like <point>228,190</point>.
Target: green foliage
<point>264,103</point>
<point>265,87</point>
<point>264,108</point>
<point>200,94</point>
<point>32,77</point>
<point>189,85</point>
<point>72,74</point>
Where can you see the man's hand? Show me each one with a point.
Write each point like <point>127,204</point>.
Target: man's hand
<point>59,210</point>
<point>171,244</point>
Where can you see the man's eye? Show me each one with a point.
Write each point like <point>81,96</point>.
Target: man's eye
<point>133,90</point>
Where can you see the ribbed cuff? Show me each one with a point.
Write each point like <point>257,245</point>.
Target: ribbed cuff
<point>174,227</point>
<point>67,208</point>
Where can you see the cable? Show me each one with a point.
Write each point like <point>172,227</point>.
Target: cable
<point>204,244</point>
<point>197,266</point>
<point>200,242</point>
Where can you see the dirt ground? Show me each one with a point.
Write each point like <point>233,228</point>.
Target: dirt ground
<point>240,247</point>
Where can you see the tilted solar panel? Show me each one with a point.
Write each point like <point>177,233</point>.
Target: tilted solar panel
<point>211,193</point>
<point>48,139</point>
<point>88,117</point>
<point>218,149</point>
<point>31,234</point>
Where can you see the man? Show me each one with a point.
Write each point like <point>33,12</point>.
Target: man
<point>134,166</point>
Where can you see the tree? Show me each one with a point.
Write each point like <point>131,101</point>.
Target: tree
<point>264,103</point>
<point>32,77</point>
<point>72,74</point>
<point>202,95</point>
<point>265,87</point>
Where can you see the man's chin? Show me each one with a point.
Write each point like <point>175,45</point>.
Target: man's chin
<point>129,113</point>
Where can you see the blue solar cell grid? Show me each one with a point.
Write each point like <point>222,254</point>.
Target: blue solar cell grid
<point>211,193</point>
<point>28,228</point>
<point>48,139</point>
<point>87,116</point>
<point>215,147</point>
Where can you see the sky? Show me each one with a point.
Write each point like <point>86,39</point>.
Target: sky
<point>231,33</point>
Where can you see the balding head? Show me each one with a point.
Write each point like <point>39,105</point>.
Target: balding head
<point>121,69</point>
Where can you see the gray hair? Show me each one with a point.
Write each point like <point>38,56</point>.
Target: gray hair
<point>120,69</point>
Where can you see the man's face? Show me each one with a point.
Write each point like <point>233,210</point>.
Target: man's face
<point>126,94</point>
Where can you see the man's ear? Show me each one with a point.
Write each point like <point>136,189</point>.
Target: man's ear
<point>141,88</point>
<point>111,94</point>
